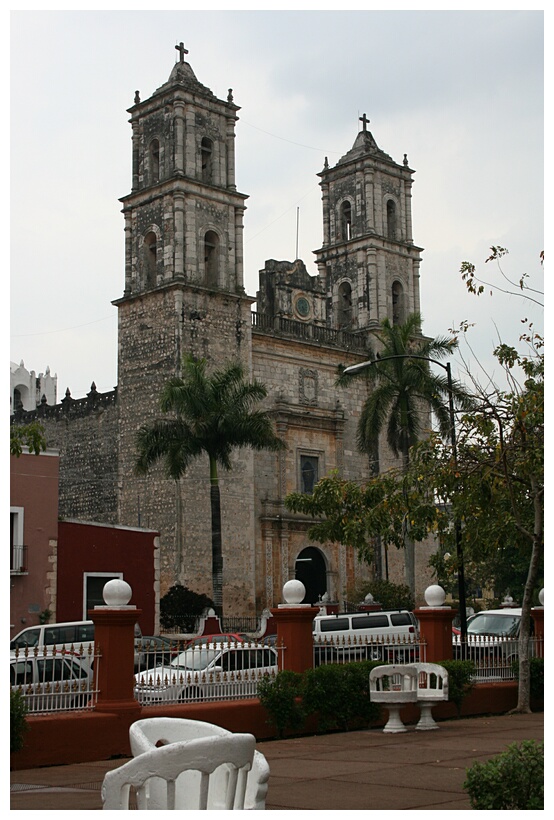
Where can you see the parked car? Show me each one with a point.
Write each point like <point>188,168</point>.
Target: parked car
<point>207,672</point>
<point>75,635</point>
<point>154,650</point>
<point>224,637</point>
<point>384,635</point>
<point>492,633</point>
<point>51,681</point>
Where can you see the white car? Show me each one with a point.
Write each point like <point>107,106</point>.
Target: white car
<point>491,634</point>
<point>226,671</point>
<point>51,681</point>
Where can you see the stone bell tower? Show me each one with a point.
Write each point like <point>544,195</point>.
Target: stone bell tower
<point>183,293</point>
<point>368,262</point>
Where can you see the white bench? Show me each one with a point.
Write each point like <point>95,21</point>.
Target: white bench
<point>149,733</point>
<point>394,686</point>
<point>199,761</point>
<point>432,687</point>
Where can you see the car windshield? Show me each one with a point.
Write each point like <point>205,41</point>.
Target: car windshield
<point>488,623</point>
<point>195,659</point>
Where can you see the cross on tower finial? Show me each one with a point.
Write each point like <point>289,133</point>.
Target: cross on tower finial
<point>182,51</point>
<point>365,121</point>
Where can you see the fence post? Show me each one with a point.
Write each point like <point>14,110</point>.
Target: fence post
<point>537,613</point>
<point>435,621</point>
<point>114,639</point>
<point>295,629</point>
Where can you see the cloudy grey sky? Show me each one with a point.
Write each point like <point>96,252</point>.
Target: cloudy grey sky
<point>461,93</point>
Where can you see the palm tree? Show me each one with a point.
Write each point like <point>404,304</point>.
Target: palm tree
<point>404,386</point>
<point>212,414</point>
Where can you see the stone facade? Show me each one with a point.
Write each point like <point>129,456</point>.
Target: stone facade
<point>183,293</point>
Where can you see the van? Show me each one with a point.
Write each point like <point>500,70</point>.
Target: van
<point>71,633</point>
<point>76,634</point>
<point>385,635</point>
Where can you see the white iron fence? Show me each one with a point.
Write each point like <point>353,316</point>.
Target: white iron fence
<point>54,679</point>
<point>400,649</point>
<point>226,671</point>
<point>495,658</point>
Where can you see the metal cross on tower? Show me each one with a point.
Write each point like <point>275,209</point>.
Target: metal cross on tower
<point>182,51</point>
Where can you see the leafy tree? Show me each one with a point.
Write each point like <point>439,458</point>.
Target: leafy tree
<point>180,607</point>
<point>389,595</point>
<point>356,514</point>
<point>403,389</point>
<point>212,414</point>
<point>27,435</point>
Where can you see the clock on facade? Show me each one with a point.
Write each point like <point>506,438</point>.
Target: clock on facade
<point>302,306</point>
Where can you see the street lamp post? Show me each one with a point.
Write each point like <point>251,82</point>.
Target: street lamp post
<point>356,368</point>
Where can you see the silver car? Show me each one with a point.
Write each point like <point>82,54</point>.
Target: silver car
<point>51,681</point>
<point>213,672</point>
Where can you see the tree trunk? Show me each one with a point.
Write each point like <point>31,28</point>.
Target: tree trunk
<point>524,685</point>
<point>217,553</point>
<point>409,546</point>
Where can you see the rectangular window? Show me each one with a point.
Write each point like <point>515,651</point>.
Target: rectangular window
<point>94,587</point>
<point>309,473</point>
<point>18,552</point>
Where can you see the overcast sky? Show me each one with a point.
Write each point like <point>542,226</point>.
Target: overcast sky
<point>461,93</point>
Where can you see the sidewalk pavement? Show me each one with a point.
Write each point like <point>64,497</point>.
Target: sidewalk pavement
<point>340,771</point>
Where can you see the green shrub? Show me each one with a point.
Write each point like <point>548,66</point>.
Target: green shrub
<point>280,696</point>
<point>389,595</point>
<point>180,608</point>
<point>536,669</point>
<point>339,695</point>
<point>512,780</point>
<point>18,721</point>
<point>460,684</point>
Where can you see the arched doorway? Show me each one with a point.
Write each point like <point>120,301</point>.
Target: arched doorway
<point>311,570</point>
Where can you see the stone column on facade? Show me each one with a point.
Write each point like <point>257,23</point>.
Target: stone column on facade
<point>408,207</point>
<point>268,543</point>
<point>415,286</point>
<point>128,255</point>
<point>378,208</point>
<point>190,144</point>
<point>373,292</point>
<point>435,623</point>
<point>239,254</point>
<point>136,156</point>
<point>114,634</point>
<point>178,159</point>
<point>179,243</point>
<point>369,204</point>
<point>295,629</point>
<point>325,208</point>
<point>383,286</point>
<point>230,152</point>
<point>192,271</point>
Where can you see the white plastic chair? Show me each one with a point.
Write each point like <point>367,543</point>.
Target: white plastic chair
<point>432,687</point>
<point>394,686</point>
<point>148,733</point>
<point>167,763</point>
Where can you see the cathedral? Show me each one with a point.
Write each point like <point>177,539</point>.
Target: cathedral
<point>183,293</point>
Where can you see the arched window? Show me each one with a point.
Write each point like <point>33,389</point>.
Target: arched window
<point>154,161</point>
<point>397,303</point>
<point>211,259</point>
<point>150,249</point>
<point>391,219</point>
<point>345,304</point>
<point>346,220</point>
<point>206,152</point>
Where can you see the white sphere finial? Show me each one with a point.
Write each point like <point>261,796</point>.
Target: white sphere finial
<point>541,596</point>
<point>294,592</point>
<point>435,595</point>
<point>117,592</point>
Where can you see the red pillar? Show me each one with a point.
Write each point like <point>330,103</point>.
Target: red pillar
<point>294,632</point>
<point>436,630</point>
<point>114,633</point>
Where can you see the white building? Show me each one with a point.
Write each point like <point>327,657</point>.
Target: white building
<point>28,389</point>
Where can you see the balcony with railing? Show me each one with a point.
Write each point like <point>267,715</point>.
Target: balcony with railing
<point>18,560</point>
<point>308,331</point>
